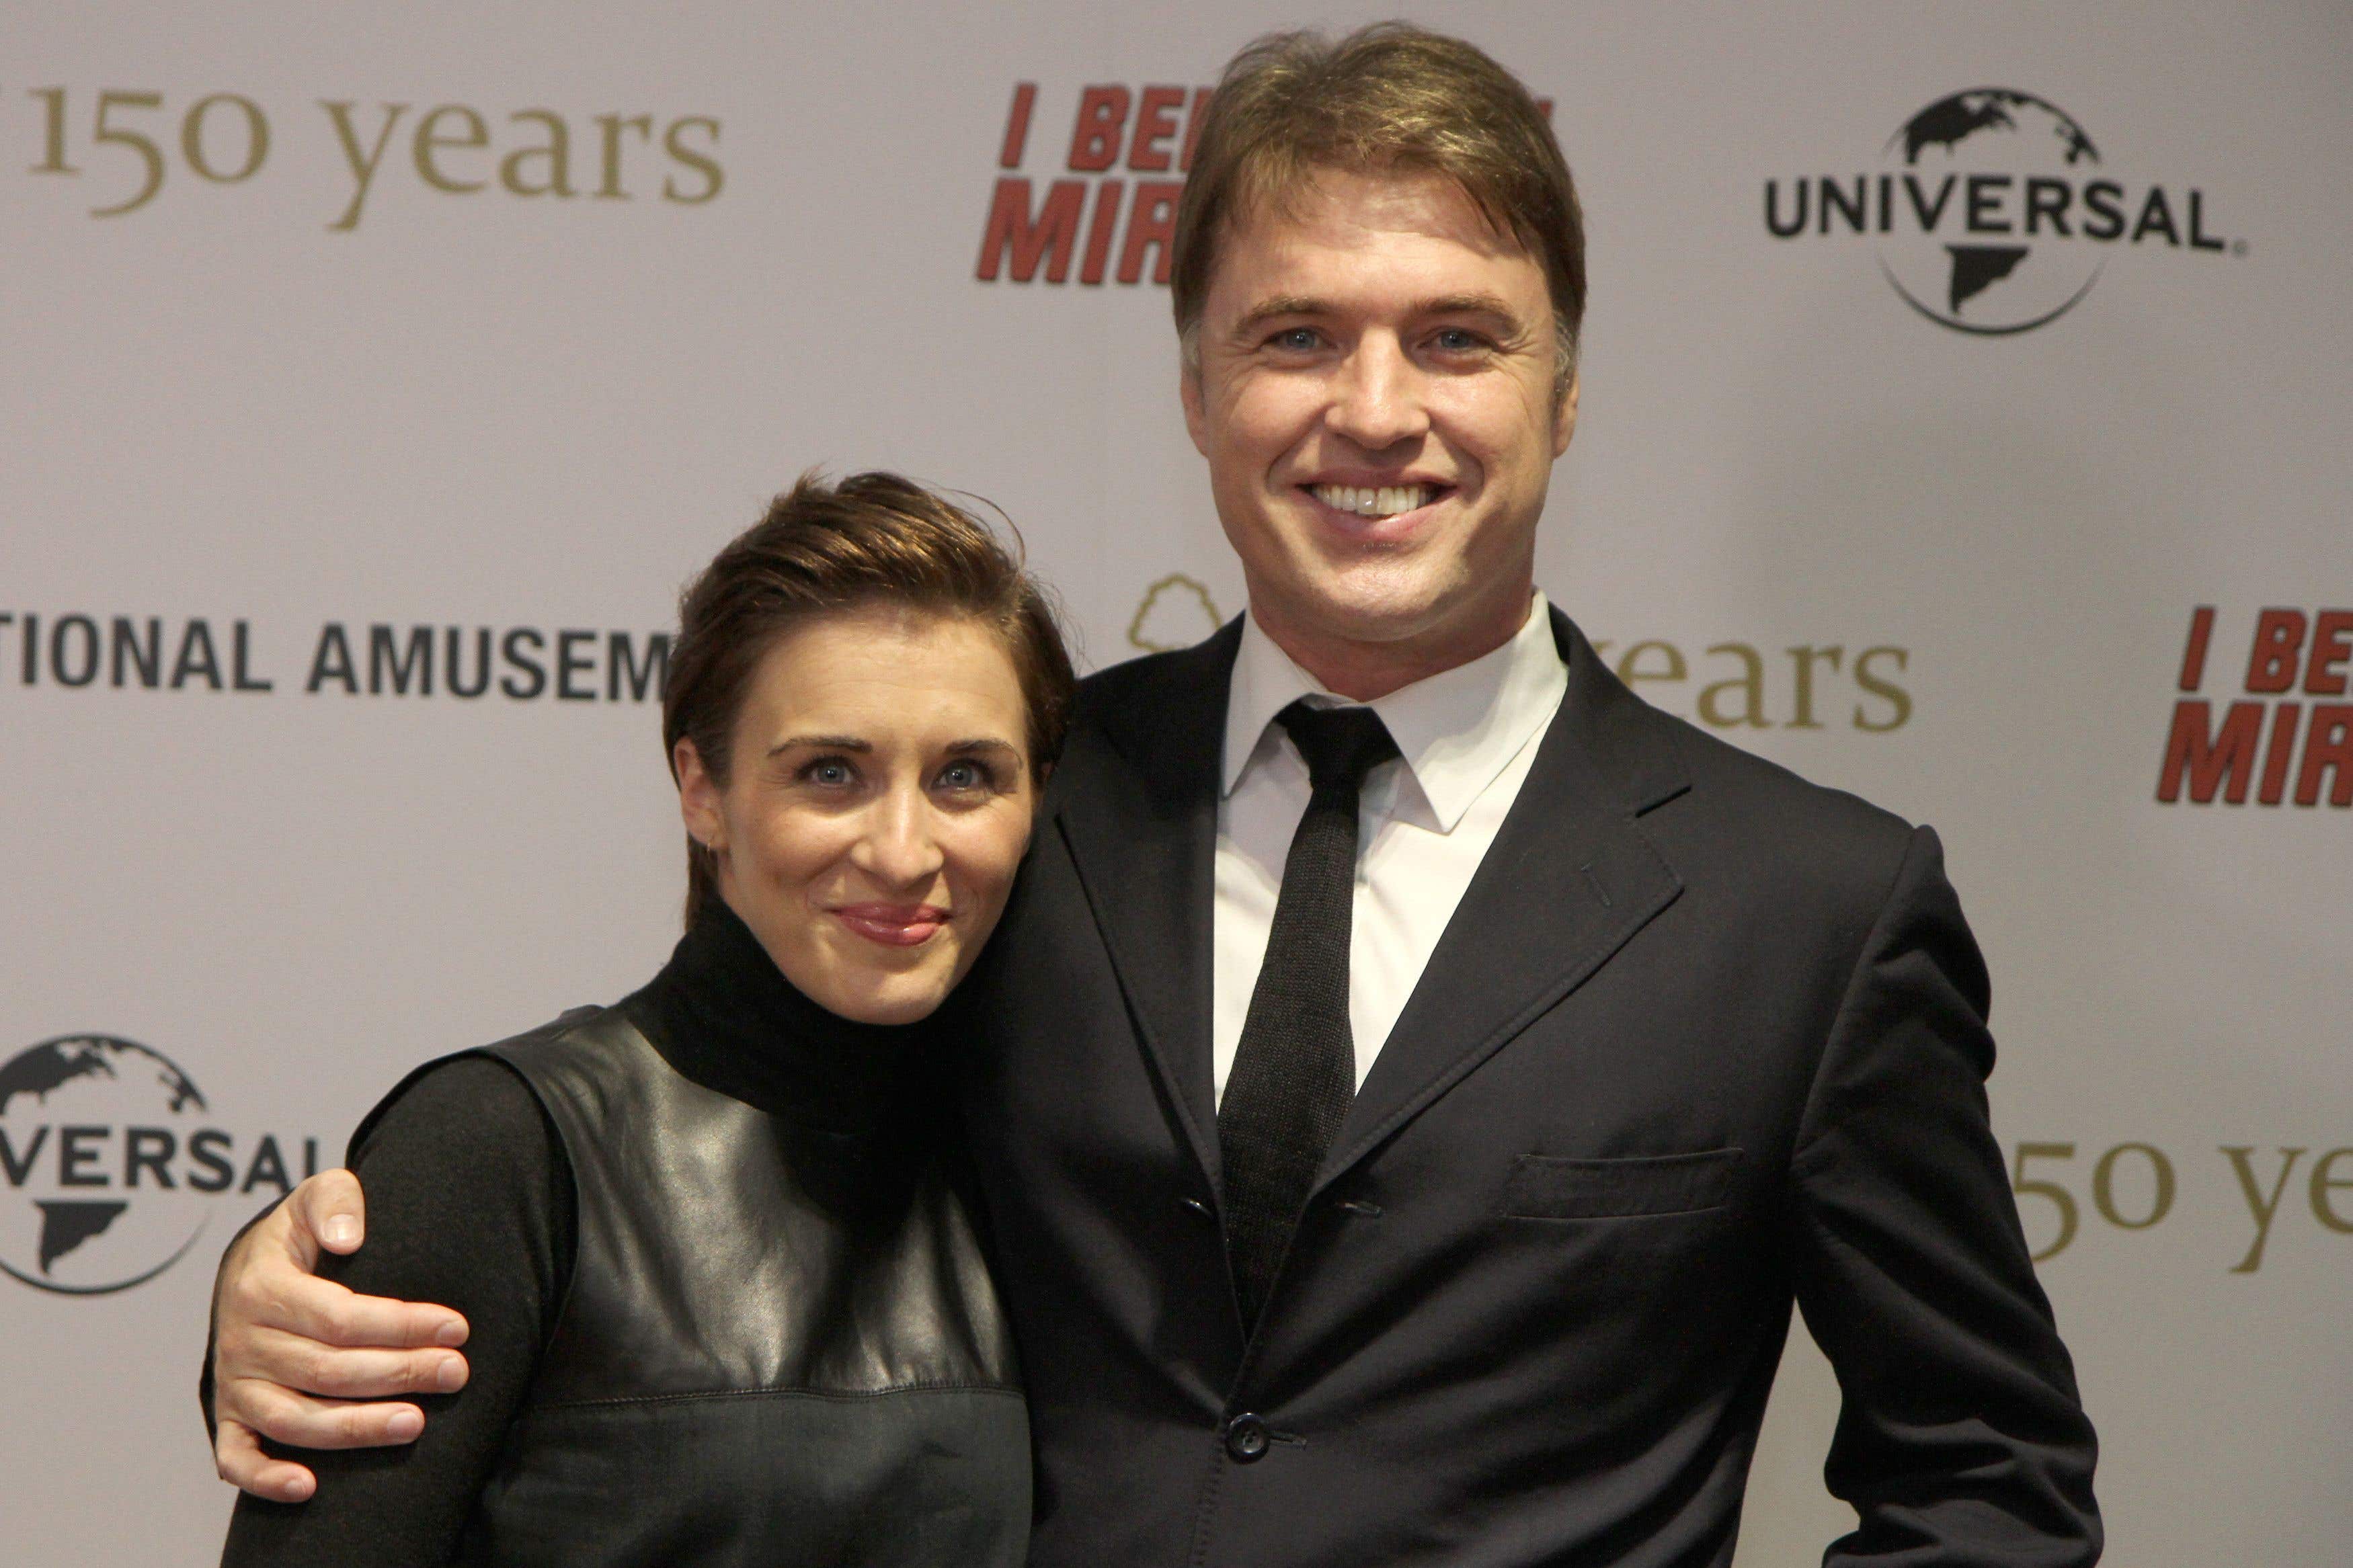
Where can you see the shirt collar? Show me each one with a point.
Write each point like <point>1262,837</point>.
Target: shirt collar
<point>1455,730</point>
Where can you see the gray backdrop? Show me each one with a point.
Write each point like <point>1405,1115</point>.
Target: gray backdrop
<point>375,356</point>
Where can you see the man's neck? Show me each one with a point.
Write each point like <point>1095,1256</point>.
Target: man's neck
<point>1367,672</point>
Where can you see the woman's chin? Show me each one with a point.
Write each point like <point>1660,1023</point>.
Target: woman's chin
<point>880,997</point>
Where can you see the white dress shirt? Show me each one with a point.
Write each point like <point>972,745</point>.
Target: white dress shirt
<point>1466,738</point>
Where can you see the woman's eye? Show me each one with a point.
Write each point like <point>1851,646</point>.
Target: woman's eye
<point>829,773</point>
<point>964,776</point>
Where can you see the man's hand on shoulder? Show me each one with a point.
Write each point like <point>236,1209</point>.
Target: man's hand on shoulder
<point>304,1362</point>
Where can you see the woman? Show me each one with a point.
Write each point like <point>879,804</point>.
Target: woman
<point>727,1304</point>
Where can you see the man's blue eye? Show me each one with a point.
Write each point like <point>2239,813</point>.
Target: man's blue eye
<point>1296,338</point>
<point>1456,339</point>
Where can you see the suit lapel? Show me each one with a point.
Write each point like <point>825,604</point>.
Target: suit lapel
<point>1568,880</point>
<point>1140,818</point>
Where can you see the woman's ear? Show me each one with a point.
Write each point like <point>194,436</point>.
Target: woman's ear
<point>698,797</point>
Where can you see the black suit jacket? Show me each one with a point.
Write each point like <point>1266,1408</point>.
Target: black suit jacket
<point>1702,1038</point>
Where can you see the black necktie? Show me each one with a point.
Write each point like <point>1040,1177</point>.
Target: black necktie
<point>1295,1071</point>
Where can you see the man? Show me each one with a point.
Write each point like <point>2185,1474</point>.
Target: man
<point>1419,1077</point>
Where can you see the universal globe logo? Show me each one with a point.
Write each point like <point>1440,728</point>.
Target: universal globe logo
<point>1992,212</point>
<point>111,1165</point>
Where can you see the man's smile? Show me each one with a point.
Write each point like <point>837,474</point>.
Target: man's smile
<point>1375,501</point>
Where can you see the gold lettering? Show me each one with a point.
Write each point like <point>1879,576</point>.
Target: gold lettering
<point>558,154</point>
<point>1629,668</point>
<point>712,176</point>
<point>2324,1206</point>
<point>1751,681</point>
<point>430,141</point>
<point>362,165</point>
<point>611,126</point>
<point>2242,1165</point>
<point>1805,657</point>
<point>1898,699</point>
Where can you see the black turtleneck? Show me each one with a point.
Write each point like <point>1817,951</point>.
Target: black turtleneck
<point>470,1202</point>
<point>723,1013</point>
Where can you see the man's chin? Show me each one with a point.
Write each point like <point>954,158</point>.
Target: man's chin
<point>1367,607</point>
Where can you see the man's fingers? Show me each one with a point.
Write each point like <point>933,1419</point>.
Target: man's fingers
<point>278,1294</point>
<point>302,1422</point>
<point>335,1316</point>
<point>238,1456</point>
<point>311,1367</point>
<point>330,1208</point>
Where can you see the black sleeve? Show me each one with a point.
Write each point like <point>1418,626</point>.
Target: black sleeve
<point>1961,1441</point>
<point>470,1203</point>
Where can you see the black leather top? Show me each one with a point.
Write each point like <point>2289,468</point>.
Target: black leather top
<point>780,1344</point>
<point>727,1305</point>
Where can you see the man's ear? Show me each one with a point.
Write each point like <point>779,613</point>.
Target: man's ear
<point>698,796</point>
<point>1189,392</point>
<point>1563,415</point>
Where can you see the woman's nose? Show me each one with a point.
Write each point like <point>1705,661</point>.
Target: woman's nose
<point>899,845</point>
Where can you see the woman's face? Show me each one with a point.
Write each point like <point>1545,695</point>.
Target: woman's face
<point>878,803</point>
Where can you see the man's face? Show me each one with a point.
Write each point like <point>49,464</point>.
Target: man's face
<point>1375,394</point>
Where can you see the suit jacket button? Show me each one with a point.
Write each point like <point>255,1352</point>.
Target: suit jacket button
<point>1246,1440</point>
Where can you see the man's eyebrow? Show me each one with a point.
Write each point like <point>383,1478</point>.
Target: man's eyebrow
<point>1280,305</point>
<point>1493,306</point>
<point>823,744</point>
<point>1480,304</point>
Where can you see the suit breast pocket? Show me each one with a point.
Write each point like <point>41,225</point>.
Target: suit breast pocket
<point>1544,1186</point>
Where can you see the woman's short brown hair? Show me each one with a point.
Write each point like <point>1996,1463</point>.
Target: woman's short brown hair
<point>873,539</point>
<point>1392,98</point>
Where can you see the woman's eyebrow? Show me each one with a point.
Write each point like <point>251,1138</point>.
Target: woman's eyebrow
<point>823,742</point>
<point>982,744</point>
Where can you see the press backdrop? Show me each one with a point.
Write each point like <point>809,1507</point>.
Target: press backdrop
<point>1965,423</point>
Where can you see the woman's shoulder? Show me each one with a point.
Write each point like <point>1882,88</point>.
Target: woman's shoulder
<point>472,1105</point>
<point>486,1095</point>
<point>467,1182</point>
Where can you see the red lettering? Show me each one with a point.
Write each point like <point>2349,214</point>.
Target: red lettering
<point>1155,123</point>
<point>2224,762</point>
<point>2327,748</point>
<point>2193,657</point>
<point>1049,234</point>
<point>2332,644</point>
<point>2279,633</point>
<point>2280,752</point>
<point>1099,233</point>
<point>1094,140</point>
<point>1151,224</point>
<point>1193,126</point>
<point>1016,126</point>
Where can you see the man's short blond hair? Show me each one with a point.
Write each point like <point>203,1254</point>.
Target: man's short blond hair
<point>1391,97</point>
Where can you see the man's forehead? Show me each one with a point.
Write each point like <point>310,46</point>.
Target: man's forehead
<point>1410,236</point>
<point>1320,206</point>
<point>1358,210</point>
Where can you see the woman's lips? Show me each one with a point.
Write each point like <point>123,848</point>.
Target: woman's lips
<point>893,925</point>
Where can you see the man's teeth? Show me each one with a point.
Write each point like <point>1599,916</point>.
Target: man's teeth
<point>1382,500</point>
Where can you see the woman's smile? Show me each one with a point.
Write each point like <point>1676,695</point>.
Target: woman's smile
<point>893,925</point>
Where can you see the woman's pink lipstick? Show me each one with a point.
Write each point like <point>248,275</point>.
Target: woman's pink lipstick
<point>893,925</point>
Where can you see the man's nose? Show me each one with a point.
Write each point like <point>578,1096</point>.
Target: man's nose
<point>1377,397</point>
<point>900,846</point>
